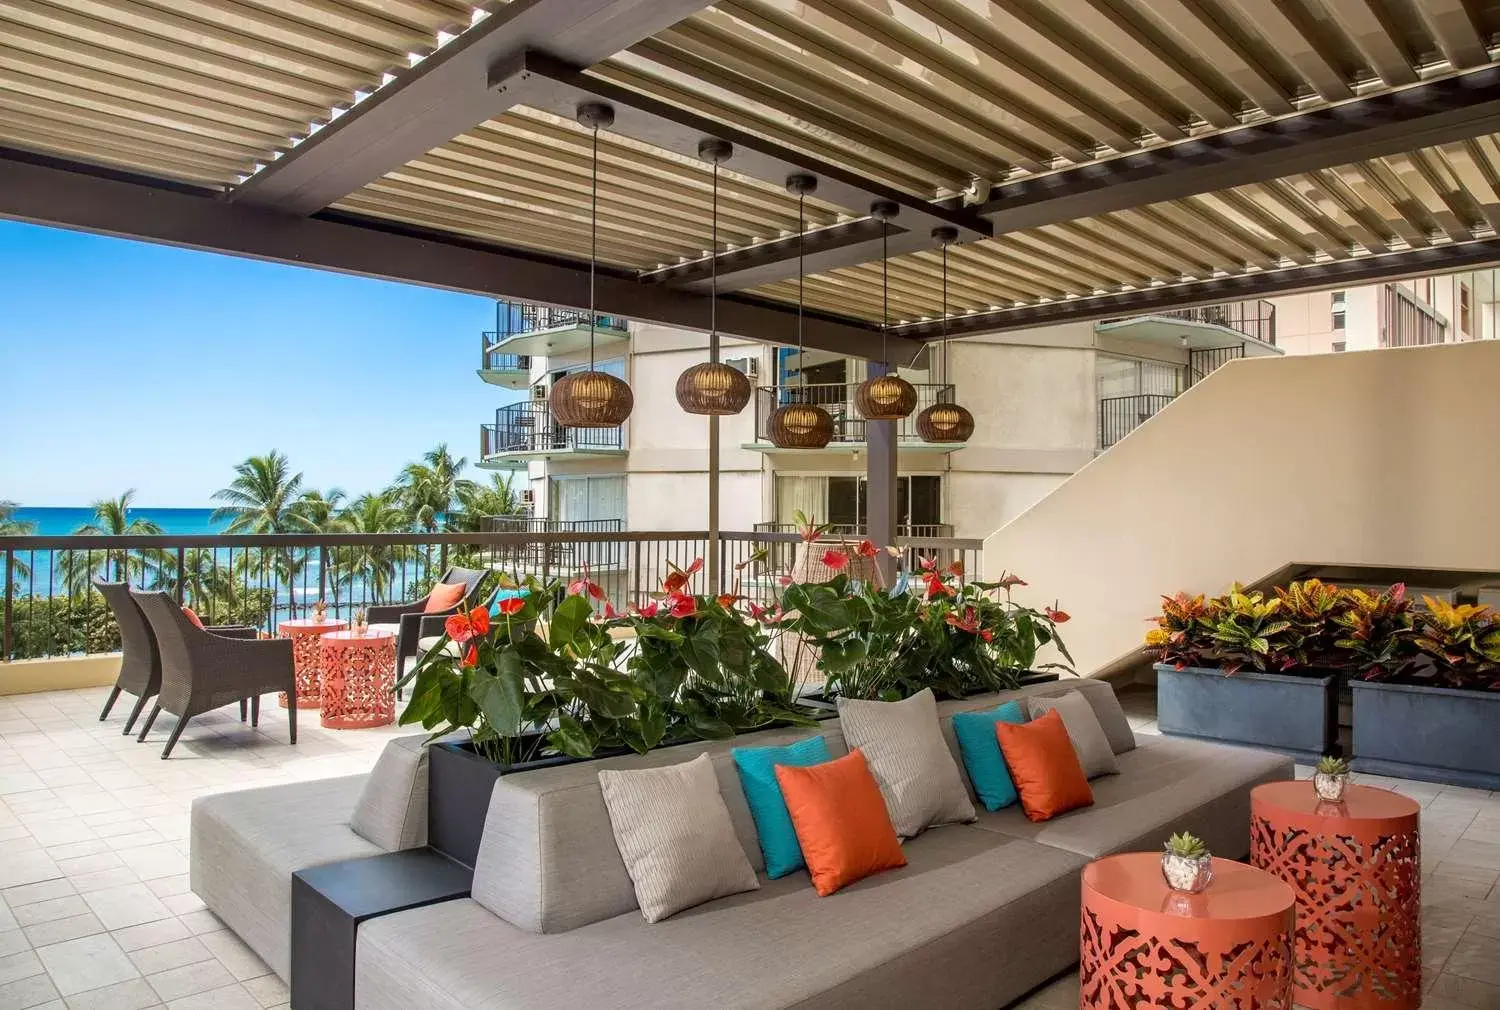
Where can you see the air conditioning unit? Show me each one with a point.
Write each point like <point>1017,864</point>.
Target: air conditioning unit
<point>538,392</point>
<point>750,366</point>
<point>528,497</point>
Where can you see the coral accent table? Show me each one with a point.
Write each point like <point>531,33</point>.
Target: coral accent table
<point>307,656</point>
<point>1144,945</point>
<point>1357,870</point>
<point>359,679</point>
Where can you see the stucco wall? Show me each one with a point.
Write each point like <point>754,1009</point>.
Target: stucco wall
<point>1375,458</point>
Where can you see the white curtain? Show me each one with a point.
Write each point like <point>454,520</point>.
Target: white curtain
<point>809,495</point>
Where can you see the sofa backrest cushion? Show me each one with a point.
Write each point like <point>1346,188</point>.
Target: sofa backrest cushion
<point>1093,747</point>
<point>548,861</point>
<point>392,809</point>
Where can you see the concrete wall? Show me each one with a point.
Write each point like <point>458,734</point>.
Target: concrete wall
<point>1378,458</point>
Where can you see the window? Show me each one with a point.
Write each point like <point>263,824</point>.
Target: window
<point>1465,310</point>
<point>1128,377</point>
<point>843,502</point>
<point>1340,302</point>
<point>1338,347</point>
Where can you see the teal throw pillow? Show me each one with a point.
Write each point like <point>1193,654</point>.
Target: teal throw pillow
<point>981,751</point>
<point>501,595</point>
<point>757,770</point>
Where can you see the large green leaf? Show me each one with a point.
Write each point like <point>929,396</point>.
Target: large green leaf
<point>571,738</point>
<point>568,618</point>
<point>502,696</point>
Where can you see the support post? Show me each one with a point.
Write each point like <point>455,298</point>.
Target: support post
<point>880,476</point>
<point>713,483</point>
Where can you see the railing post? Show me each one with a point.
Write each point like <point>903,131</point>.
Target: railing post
<point>635,575</point>
<point>323,572</point>
<point>880,476</point>
<point>181,576</point>
<point>9,636</point>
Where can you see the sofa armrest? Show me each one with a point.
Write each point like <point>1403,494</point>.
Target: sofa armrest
<point>233,630</point>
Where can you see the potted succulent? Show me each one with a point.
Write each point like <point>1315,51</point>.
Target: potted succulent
<point>1426,689</point>
<point>1331,778</point>
<point>1251,669</point>
<point>1186,863</point>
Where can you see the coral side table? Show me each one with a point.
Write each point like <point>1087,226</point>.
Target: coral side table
<point>359,679</point>
<point>1357,870</point>
<point>307,658</point>
<point>1145,945</point>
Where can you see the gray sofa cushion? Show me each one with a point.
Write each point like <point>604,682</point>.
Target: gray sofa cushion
<point>1087,736</point>
<point>246,845</point>
<point>548,861</point>
<point>966,923</point>
<point>1165,785</point>
<point>392,807</point>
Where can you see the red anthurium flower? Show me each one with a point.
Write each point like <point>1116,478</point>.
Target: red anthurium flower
<point>727,600</point>
<point>956,569</point>
<point>675,582</point>
<point>1056,616</point>
<point>766,615</point>
<point>459,628</point>
<point>1008,580</point>
<point>610,613</point>
<point>512,605</point>
<point>695,567</point>
<point>969,622</point>
<point>783,580</point>
<point>835,560</point>
<point>649,610</point>
<point>928,564</point>
<point>681,605</point>
<point>936,586</point>
<point>987,635</point>
<point>479,617</point>
<point>866,549</point>
<point>471,658</point>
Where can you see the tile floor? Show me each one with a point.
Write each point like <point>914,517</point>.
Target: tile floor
<point>95,910</point>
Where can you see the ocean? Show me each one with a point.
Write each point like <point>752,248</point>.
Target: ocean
<point>61,522</point>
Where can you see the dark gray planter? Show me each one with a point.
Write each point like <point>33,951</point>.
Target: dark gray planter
<point>1292,714</point>
<point>1436,734</point>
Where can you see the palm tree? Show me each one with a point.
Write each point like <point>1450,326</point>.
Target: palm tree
<point>264,497</point>
<point>10,526</point>
<point>112,519</point>
<point>320,513</point>
<point>375,565</point>
<point>430,489</point>
<point>478,500</point>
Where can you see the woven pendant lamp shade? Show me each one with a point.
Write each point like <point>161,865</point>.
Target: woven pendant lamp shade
<point>800,426</point>
<point>591,400</point>
<point>885,398</point>
<point>713,388</point>
<point>945,422</point>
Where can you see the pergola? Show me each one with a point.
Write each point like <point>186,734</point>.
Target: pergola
<point>1097,157</point>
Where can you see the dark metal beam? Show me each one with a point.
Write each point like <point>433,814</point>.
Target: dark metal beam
<point>541,81</point>
<point>1265,284</point>
<point>1440,112</point>
<point>45,191</point>
<point>448,94</point>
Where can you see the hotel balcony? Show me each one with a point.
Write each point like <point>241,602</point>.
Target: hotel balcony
<point>509,371</point>
<point>848,427</point>
<point>526,432</point>
<point>526,331</point>
<point>1250,325</point>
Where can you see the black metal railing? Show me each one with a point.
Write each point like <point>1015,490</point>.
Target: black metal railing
<point>1120,415</point>
<point>50,608</point>
<point>498,361</point>
<point>515,318</point>
<point>860,529</point>
<point>528,524</point>
<point>530,427</point>
<point>838,399</point>
<point>1254,319</point>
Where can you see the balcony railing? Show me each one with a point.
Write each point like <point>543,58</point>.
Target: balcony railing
<point>530,427</point>
<point>513,318</point>
<point>498,361</point>
<point>1255,319</point>
<point>859,529</point>
<point>48,606</point>
<point>838,399</point>
<point>1120,415</point>
<point>527,524</point>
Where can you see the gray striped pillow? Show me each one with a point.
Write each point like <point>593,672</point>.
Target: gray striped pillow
<point>675,836</point>
<point>904,747</point>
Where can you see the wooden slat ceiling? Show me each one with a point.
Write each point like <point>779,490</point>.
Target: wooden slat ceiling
<point>931,97</point>
<point>196,90</point>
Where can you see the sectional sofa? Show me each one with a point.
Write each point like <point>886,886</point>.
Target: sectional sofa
<point>982,913</point>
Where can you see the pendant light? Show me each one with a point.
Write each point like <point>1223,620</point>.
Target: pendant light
<point>592,399</point>
<point>885,397</point>
<point>945,422</point>
<point>799,424</point>
<point>713,387</point>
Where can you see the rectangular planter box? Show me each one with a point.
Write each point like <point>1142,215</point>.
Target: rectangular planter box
<point>1436,734</point>
<point>1291,714</point>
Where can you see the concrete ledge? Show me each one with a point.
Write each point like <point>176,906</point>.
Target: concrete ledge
<point>27,676</point>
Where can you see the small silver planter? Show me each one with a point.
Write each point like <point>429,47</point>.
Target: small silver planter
<point>1330,788</point>
<point>1187,874</point>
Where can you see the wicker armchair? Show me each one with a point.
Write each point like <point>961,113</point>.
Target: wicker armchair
<point>140,660</point>
<point>202,671</point>
<point>410,622</point>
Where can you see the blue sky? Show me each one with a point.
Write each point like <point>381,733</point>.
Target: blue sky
<point>126,365</point>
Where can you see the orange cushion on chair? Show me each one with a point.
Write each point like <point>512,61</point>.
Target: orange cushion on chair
<point>444,596</point>
<point>841,821</point>
<point>191,616</point>
<point>1044,766</point>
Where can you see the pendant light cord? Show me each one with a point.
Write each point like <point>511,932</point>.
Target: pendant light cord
<point>713,259</point>
<point>885,291</point>
<point>593,243</point>
<point>801,243</point>
<point>945,313</point>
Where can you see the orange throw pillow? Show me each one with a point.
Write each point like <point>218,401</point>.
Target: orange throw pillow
<point>1044,766</point>
<point>444,596</point>
<point>191,616</point>
<point>841,821</point>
